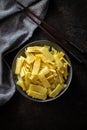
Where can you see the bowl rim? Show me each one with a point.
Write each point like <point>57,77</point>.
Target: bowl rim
<point>49,43</point>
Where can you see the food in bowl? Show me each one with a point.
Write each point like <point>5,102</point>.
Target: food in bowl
<point>42,71</point>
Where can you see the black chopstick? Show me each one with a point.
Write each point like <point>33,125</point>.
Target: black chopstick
<point>54,30</point>
<point>29,13</point>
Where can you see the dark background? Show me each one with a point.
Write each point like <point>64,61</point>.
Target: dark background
<point>69,112</point>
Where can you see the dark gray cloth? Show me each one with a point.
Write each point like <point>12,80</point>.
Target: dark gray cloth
<point>15,29</point>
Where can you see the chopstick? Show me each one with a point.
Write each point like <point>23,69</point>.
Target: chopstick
<point>32,16</point>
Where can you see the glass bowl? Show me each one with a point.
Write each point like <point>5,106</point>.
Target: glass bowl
<point>42,43</point>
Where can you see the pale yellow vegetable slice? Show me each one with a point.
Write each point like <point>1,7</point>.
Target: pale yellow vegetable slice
<point>27,80</point>
<point>33,49</point>
<point>37,91</point>
<point>47,54</point>
<point>44,50</point>
<point>44,70</point>
<point>37,82</point>
<point>30,58</point>
<point>63,59</point>
<point>65,71</point>
<point>53,51</point>
<point>36,95</point>
<point>19,64</point>
<point>60,54</point>
<point>60,77</point>
<point>50,77</point>
<point>38,88</point>
<point>56,91</point>
<point>43,58</point>
<point>58,61</point>
<point>22,72</point>
<point>44,81</point>
<point>36,66</point>
<point>20,83</point>
<point>33,78</point>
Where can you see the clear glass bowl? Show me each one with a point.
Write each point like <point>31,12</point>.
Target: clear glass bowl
<point>42,43</point>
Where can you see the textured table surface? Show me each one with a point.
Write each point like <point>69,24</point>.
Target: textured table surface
<point>70,111</point>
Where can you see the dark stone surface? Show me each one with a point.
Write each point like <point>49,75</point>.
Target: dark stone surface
<point>69,112</point>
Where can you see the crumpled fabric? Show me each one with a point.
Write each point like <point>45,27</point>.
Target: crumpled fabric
<point>15,29</point>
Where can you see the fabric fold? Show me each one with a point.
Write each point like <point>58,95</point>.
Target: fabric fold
<point>16,29</point>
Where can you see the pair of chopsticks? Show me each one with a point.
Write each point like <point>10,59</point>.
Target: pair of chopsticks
<point>33,17</point>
